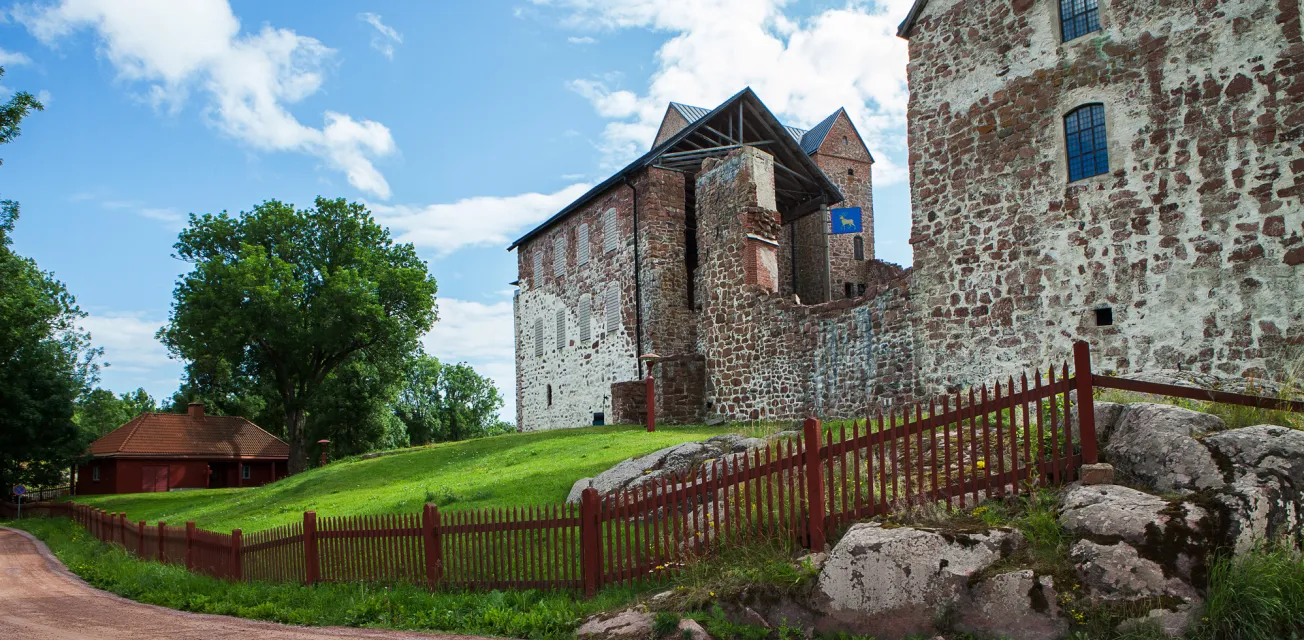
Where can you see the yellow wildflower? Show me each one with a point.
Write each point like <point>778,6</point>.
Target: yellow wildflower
<point>982,464</point>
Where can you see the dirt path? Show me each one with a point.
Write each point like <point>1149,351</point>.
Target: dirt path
<point>41,600</point>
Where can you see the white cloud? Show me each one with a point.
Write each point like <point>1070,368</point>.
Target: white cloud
<point>478,221</point>
<point>582,40</point>
<point>482,335</point>
<point>249,79</point>
<point>128,341</point>
<point>803,69</point>
<point>385,37</point>
<point>13,58</point>
<point>44,97</point>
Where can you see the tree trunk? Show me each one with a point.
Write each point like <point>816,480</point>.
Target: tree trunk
<point>294,419</point>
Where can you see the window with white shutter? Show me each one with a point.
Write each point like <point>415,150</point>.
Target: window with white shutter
<point>613,306</point>
<point>538,337</point>
<point>561,329</point>
<point>559,255</point>
<point>610,230</point>
<point>586,320</point>
<point>582,246</point>
<point>538,268</point>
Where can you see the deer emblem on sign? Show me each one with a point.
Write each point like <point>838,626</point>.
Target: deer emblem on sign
<point>846,222</point>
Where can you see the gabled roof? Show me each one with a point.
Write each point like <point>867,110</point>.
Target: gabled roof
<point>172,435</point>
<point>903,31</point>
<point>678,152</point>
<point>693,114</point>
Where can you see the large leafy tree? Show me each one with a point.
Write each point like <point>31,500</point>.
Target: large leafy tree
<point>280,299</point>
<point>100,411</point>
<point>441,402</point>
<point>45,360</point>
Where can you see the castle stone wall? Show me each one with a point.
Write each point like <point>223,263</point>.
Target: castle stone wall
<point>1195,237</point>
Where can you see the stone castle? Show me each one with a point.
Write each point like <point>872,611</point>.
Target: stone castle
<point>1125,173</point>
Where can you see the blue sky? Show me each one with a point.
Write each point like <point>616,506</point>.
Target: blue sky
<point>462,124</point>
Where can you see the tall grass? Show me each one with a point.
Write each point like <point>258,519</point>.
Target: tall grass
<point>1255,596</point>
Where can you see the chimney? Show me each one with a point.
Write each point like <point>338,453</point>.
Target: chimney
<point>196,410</point>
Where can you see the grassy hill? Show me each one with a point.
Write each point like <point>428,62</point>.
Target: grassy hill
<point>509,470</point>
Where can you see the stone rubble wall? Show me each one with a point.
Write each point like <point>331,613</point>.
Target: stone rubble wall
<point>1194,239</point>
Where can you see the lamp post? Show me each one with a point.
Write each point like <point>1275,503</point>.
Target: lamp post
<point>651,360</point>
<point>323,442</point>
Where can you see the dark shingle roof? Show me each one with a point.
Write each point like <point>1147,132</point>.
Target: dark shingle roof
<point>810,143</point>
<point>691,114</point>
<point>181,436</point>
<point>903,31</point>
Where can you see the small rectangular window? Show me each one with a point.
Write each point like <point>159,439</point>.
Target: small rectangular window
<point>859,248</point>
<point>245,472</point>
<point>559,255</point>
<point>613,306</point>
<point>95,474</point>
<point>599,418</point>
<point>582,245</point>
<point>860,289</point>
<point>848,288</point>
<point>1078,18</point>
<point>1104,317</point>
<point>538,337</point>
<point>561,328</point>
<point>610,230</point>
<point>586,320</point>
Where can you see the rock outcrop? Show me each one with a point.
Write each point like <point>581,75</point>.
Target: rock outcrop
<point>1019,605</point>
<point>1156,444</point>
<point>630,624</point>
<point>895,582</point>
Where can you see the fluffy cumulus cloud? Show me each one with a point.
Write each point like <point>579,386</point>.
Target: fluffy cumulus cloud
<point>128,341</point>
<point>385,37</point>
<point>13,58</point>
<point>480,334</point>
<point>247,79</point>
<point>475,221</point>
<point>803,69</point>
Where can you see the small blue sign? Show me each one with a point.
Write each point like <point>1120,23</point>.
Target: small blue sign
<point>846,220</point>
<point>19,490</point>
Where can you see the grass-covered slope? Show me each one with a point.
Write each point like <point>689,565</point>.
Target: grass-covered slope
<point>509,470</point>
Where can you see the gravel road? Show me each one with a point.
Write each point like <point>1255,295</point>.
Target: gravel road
<point>41,600</point>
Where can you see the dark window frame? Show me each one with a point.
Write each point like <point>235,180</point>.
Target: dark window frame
<point>95,474</point>
<point>1078,18</point>
<point>246,472</point>
<point>858,248</point>
<point>1086,141</point>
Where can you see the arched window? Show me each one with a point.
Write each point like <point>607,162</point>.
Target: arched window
<point>859,247</point>
<point>1085,141</point>
<point>1078,18</point>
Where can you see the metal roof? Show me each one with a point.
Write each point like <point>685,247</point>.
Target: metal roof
<point>698,119</point>
<point>810,143</point>
<point>903,31</point>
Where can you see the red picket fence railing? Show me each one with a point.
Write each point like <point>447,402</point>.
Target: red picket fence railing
<point>957,450</point>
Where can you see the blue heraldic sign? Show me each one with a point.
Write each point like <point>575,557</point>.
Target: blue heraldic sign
<point>846,220</point>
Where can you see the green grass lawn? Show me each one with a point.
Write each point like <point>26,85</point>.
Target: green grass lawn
<point>510,470</point>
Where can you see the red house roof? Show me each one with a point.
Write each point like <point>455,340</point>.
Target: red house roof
<point>190,435</point>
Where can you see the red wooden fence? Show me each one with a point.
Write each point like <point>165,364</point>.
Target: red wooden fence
<point>958,450</point>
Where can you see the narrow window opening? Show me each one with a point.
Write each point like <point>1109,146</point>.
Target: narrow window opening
<point>844,140</point>
<point>95,474</point>
<point>859,247</point>
<point>860,289</point>
<point>690,234</point>
<point>599,418</point>
<point>245,473</point>
<point>1104,317</point>
<point>550,395</point>
<point>851,172</point>
<point>1085,142</point>
<point>847,287</point>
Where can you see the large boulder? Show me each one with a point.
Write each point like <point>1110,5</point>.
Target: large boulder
<point>1156,444</point>
<point>674,462</point>
<point>1019,605</point>
<point>1263,450</point>
<point>1116,572</point>
<point>894,582</point>
<point>1175,535</point>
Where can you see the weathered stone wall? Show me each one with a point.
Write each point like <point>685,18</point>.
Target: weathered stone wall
<point>628,403</point>
<point>1193,239</point>
<point>669,327</point>
<point>579,374</point>
<point>680,384</point>
<point>768,357</point>
<point>845,160</point>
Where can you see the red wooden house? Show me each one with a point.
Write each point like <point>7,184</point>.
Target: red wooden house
<point>167,451</point>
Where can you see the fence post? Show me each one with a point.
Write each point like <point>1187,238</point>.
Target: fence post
<point>651,401</point>
<point>814,484</point>
<point>140,539</point>
<point>122,527</point>
<point>311,568</point>
<point>433,545</point>
<point>162,529</point>
<point>590,542</point>
<point>237,560</point>
<point>1086,404</point>
<point>190,545</point>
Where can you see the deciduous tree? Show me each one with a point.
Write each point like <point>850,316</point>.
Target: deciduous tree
<point>280,298</point>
